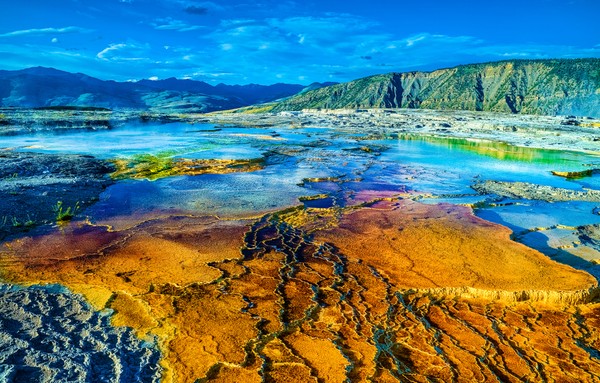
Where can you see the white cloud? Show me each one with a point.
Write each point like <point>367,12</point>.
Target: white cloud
<point>287,46</point>
<point>125,52</point>
<point>532,51</point>
<point>54,40</point>
<point>412,40</point>
<point>258,48</point>
<point>428,39</point>
<point>231,23</point>
<point>212,75</point>
<point>45,31</point>
<point>282,49</point>
<point>169,24</point>
<point>107,52</point>
<point>153,78</point>
<point>515,54</point>
<point>320,26</point>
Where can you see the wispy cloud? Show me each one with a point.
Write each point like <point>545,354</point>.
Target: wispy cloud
<point>342,47</point>
<point>243,42</point>
<point>428,39</point>
<point>169,24</point>
<point>45,31</point>
<point>232,23</point>
<point>292,49</point>
<point>18,56</point>
<point>533,51</point>
<point>295,35</point>
<point>108,52</point>
<point>125,52</point>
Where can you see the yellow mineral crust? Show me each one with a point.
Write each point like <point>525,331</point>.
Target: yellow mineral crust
<point>374,295</point>
<point>154,167</point>
<point>136,272</point>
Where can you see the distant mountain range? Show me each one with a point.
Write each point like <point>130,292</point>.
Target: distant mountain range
<point>550,87</point>
<point>43,87</point>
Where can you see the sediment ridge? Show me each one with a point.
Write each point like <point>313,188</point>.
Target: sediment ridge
<point>553,297</point>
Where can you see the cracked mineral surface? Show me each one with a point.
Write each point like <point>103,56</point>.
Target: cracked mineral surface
<point>378,296</point>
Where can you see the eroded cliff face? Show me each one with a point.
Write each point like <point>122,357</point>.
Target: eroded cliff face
<point>522,86</point>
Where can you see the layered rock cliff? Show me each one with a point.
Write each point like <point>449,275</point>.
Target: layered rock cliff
<point>547,87</point>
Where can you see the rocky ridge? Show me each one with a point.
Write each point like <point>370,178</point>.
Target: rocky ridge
<point>548,87</point>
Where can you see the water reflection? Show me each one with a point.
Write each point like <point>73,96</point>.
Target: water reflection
<point>502,151</point>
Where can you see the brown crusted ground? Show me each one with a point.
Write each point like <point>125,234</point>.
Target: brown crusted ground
<point>269,302</point>
<point>424,246</point>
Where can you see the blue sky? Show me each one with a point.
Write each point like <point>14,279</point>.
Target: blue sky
<point>264,41</point>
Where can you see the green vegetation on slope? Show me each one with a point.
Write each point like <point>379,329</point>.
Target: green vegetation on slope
<point>517,86</point>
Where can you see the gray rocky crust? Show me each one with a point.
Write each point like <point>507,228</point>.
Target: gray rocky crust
<point>530,191</point>
<point>50,335</point>
<point>31,185</point>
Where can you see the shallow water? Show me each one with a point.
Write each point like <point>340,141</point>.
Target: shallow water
<point>177,139</point>
<point>308,161</point>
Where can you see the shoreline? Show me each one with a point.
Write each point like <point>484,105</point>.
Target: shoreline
<point>533,131</point>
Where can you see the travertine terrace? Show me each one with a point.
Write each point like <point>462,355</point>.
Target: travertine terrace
<point>355,280</point>
<point>375,295</point>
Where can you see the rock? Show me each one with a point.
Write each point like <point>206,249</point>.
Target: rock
<point>576,174</point>
<point>590,235</point>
